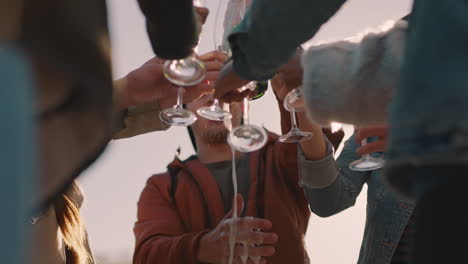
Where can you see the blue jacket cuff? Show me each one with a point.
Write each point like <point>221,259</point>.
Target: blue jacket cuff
<point>243,59</point>
<point>317,174</point>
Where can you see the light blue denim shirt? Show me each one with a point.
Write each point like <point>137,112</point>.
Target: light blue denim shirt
<point>428,114</point>
<point>272,30</point>
<point>331,187</point>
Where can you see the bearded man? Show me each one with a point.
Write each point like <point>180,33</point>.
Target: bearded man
<point>184,214</point>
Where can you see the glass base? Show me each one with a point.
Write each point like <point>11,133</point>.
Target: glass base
<point>295,136</point>
<point>212,113</point>
<point>367,163</point>
<point>177,117</point>
<point>186,72</point>
<point>247,138</point>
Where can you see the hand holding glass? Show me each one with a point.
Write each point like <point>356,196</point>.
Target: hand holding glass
<point>293,102</point>
<point>367,162</point>
<point>184,72</point>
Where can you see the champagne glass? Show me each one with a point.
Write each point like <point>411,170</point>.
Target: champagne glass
<point>177,115</point>
<point>293,102</point>
<point>247,137</point>
<point>188,71</point>
<point>215,112</point>
<point>183,73</point>
<point>366,162</point>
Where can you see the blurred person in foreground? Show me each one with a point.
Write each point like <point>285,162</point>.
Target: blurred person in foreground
<point>78,109</point>
<point>58,231</point>
<point>72,67</point>
<point>184,214</point>
<point>59,53</point>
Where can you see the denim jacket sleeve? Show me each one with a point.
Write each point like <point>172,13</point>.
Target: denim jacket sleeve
<point>329,185</point>
<point>272,30</point>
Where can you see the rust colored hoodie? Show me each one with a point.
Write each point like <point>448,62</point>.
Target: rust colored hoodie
<point>175,212</point>
<point>176,209</point>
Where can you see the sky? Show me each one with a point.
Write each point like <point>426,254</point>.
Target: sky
<point>113,184</point>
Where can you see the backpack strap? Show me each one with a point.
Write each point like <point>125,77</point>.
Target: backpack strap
<point>173,172</point>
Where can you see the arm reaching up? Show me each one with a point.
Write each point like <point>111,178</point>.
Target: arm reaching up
<point>144,92</point>
<point>268,37</point>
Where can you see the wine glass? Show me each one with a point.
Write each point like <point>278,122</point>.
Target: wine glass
<point>293,102</point>
<point>247,137</point>
<point>183,72</point>
<point>187,71</point>
<point>366,162</point>
<point>215,112</point>
<point>177,115</point>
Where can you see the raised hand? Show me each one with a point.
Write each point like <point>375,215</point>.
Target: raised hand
<point>215,246</point>
<point>288,77</point>
<point>381,132</point>
<point>147,84</point>
<point>228,83</point>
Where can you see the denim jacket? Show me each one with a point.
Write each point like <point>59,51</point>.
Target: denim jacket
<point>272,30</point>
<point>428,120</point>
<point>331,187</point>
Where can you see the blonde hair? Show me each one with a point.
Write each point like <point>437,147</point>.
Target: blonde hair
<point>72,228</point>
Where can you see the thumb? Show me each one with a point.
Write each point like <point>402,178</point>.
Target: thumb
<point>239,200</point>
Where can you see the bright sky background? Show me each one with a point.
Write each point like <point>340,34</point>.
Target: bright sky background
<point>113,184</point>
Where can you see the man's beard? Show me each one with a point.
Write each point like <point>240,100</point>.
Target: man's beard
<point>215,135</point>
<point>219,134</point>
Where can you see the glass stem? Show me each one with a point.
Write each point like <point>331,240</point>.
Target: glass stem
<point>215,104</point>
<point>242,9</point>
<point>218,11</point>
<point>294,125</point>
<point>246,111</point>
<point>179,103</point>
<point>363,143</point>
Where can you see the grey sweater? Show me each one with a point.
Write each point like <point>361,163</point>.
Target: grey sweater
<point>352,81</point>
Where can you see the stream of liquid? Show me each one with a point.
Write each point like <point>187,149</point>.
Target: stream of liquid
<point>233,228</point>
